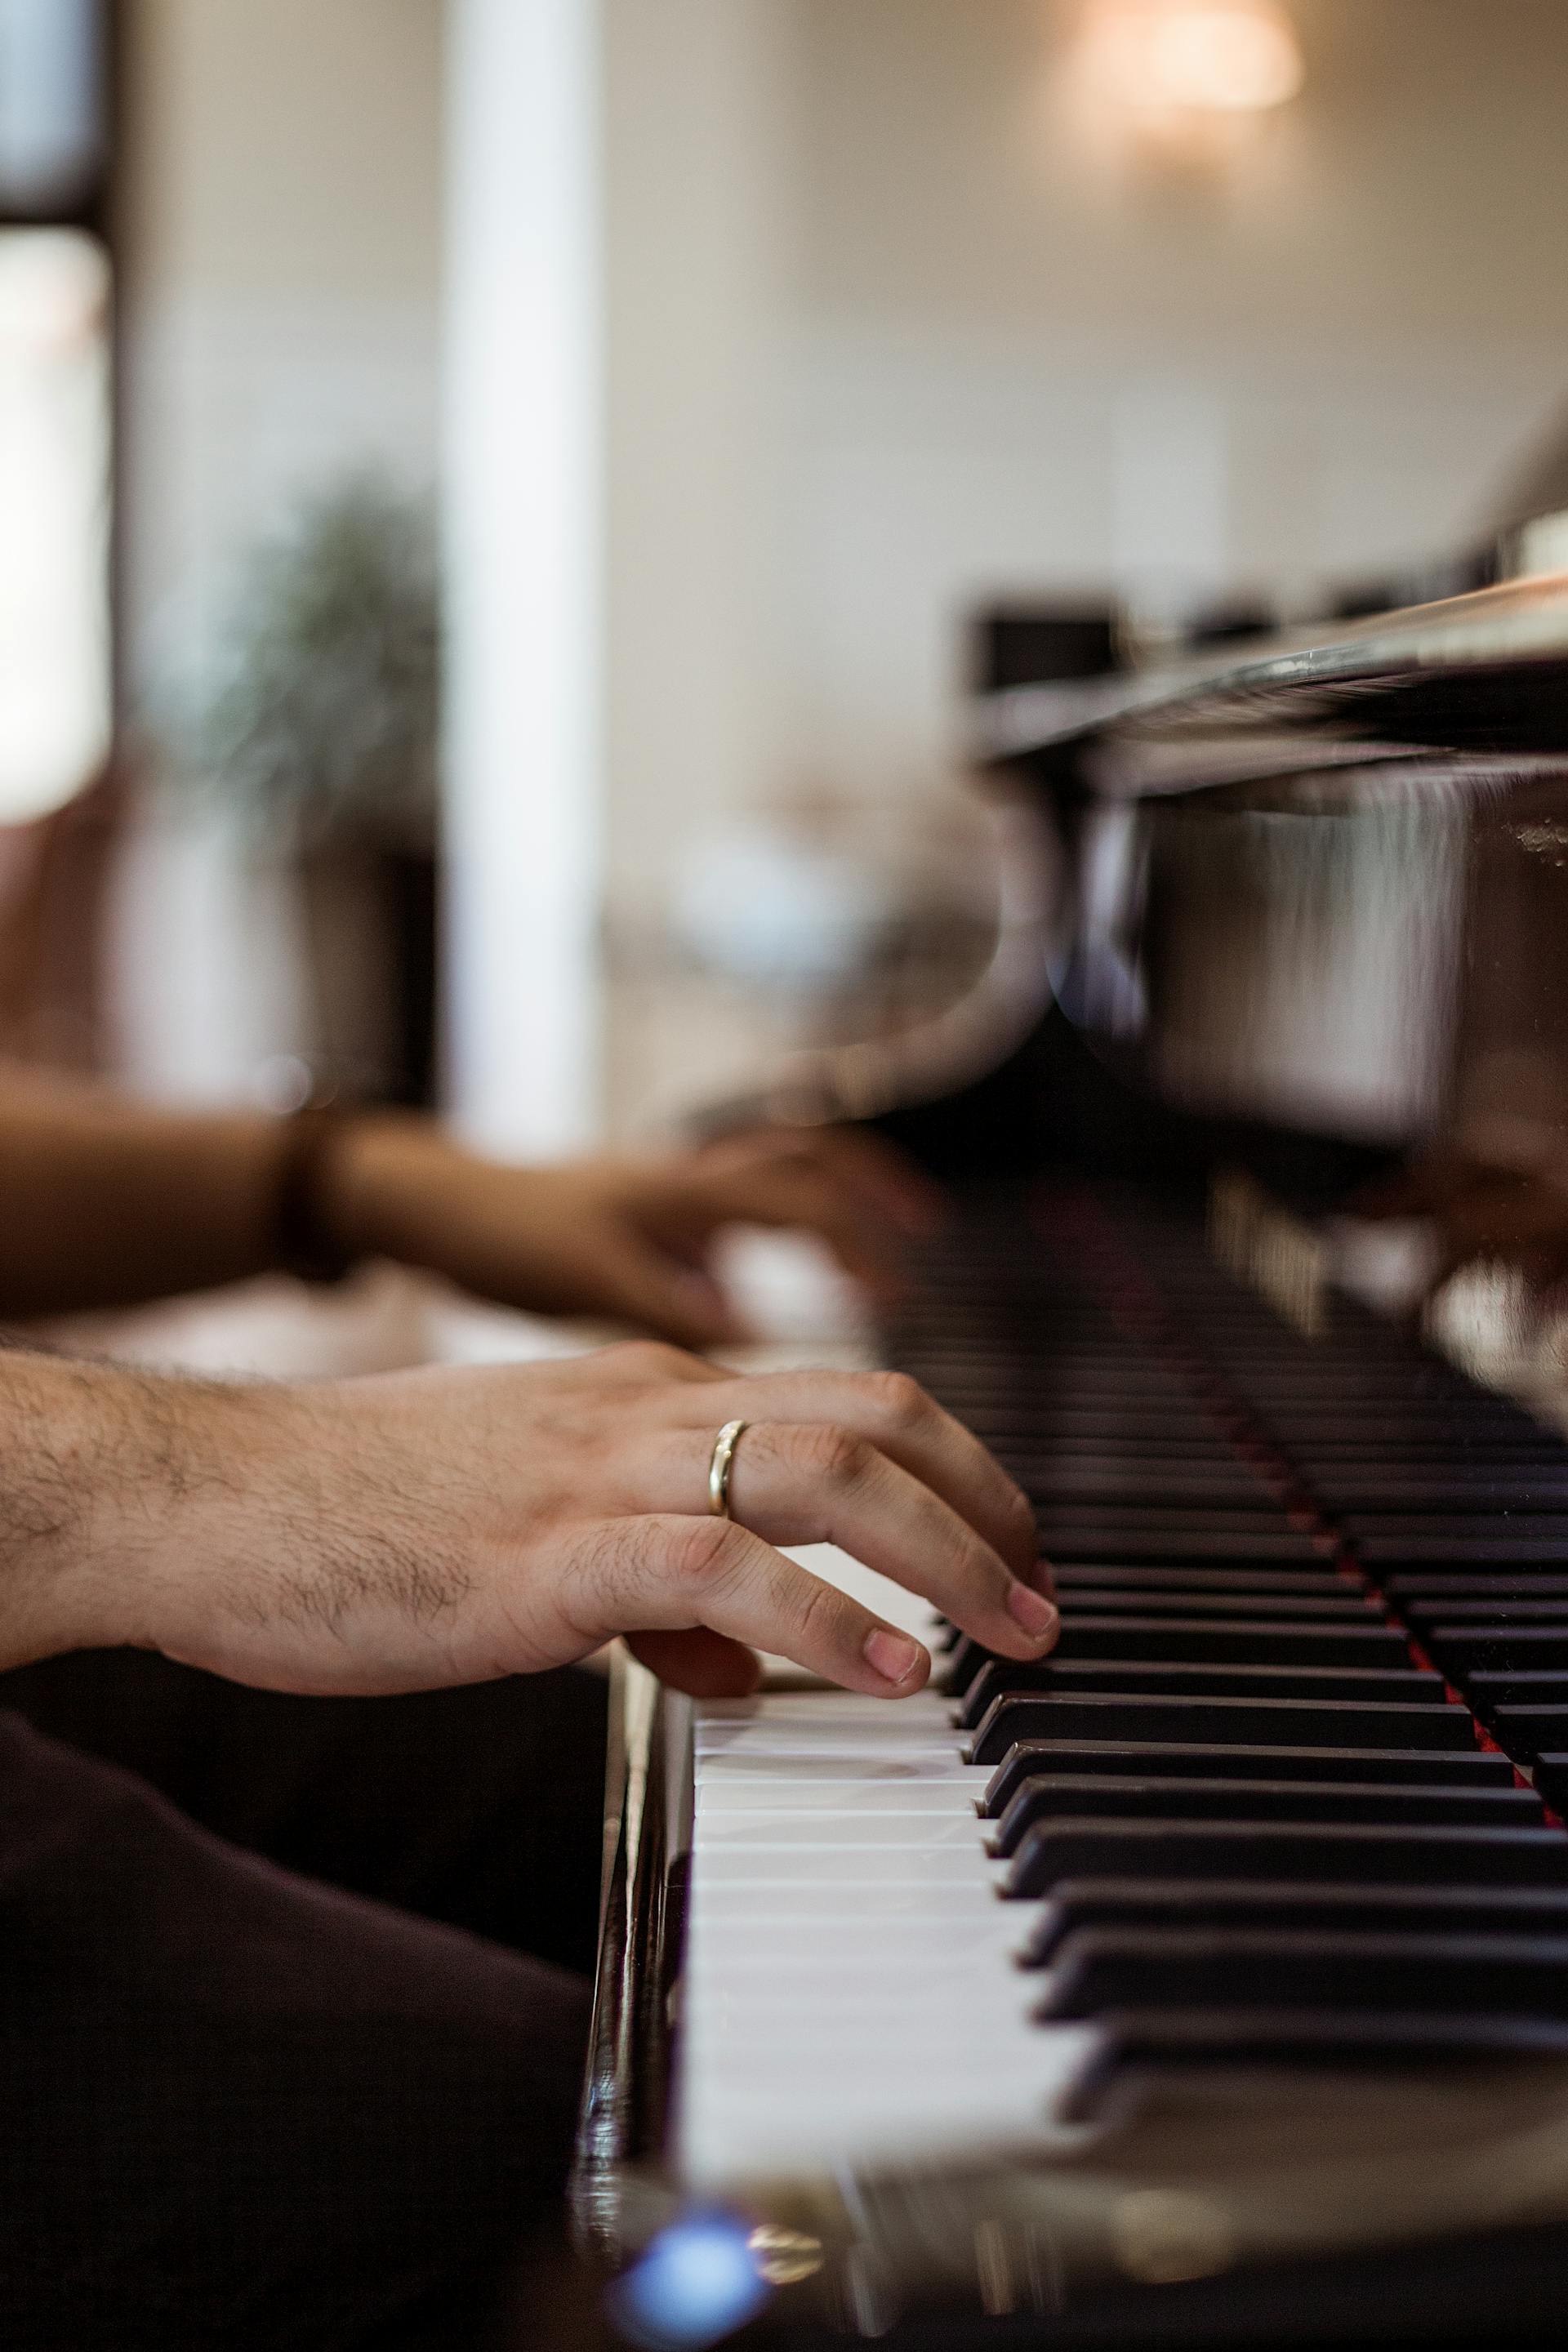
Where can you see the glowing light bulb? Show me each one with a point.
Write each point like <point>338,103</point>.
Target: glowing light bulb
<point>1163,58</point>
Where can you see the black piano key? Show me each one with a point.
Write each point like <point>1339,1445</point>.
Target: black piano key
<point>1413,1856</point>
<point>1347,1457</point>
<point>1524,1555</point>
<point>1269,1723</point>
<point>1460,1487</point>
<point>1491,1609</point>
<point>1336,1603</point>
<point>1124,1623</point>
<point>1331,1605</point>
<point>1134,1678</point>
<point>1327,1905</point>
<point>1044,1483</point>
<point>1550,1773</point>
<point>1530,1731</point>
<point>1160,1543</point>
<point>1413,1538</point>
<point>1041,1426</point>
<point>1503,1582</point>
<point>1041,1800</point>
<point>1491,1688</point>
<point>1150,1969</point>
<point>1353,1639</point>
<point>1467,1649</point>
<point>1133,2045</point>
<point>1243,1582</point>
<point>1468,1768</point>
<point>1239,1640</point>
<point>1213,1456</point>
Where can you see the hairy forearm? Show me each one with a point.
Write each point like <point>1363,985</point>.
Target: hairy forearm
<point>105,1203</point>
<point>232,1524</point>
<point>98,1465</point>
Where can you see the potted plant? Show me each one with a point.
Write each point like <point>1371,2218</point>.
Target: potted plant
<point>314,722</point>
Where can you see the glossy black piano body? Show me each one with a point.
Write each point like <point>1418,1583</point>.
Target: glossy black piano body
<point>1276,928</point>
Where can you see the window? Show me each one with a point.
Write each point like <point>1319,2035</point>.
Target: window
<point>56,404</point>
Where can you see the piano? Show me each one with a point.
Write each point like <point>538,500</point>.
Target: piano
<point>1207,1983</point>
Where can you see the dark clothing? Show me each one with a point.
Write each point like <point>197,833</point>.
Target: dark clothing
<point>242,2106</point>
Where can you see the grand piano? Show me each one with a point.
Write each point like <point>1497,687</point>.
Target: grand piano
<point>1208,1984</point>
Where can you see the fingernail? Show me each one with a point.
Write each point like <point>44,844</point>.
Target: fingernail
<point>893,1656</point>
<point>1032,1611</point>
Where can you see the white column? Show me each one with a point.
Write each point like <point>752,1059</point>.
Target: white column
<point>522,501</point>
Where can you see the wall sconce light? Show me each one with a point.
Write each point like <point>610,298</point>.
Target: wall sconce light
<point>1169,62</point>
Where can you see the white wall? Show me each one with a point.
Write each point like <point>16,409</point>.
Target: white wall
<point>702,162</point>
<point>283,211</point>
<point>883,336</point>
<point>283,201</point>
<point>1007,343</point>
<point>888,333</point>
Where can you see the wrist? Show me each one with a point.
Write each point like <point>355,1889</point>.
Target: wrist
<point>97,1483</point>
<point>311,1236</point>
<point>374,1177</point>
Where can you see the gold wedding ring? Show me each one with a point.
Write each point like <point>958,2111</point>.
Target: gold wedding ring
<point>720,1466</point>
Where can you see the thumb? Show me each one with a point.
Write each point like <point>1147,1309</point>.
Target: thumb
<point>639,1284</point>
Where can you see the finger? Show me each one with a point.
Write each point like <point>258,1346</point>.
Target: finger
<point>908,1426</point>
<point>794,1193</point>
<point>703,1665</point>
<point>800,1483</point>
<point>637,1284</point>
<point>668,1574</point>
<point>886,1180</point>
<point>647,1363</point>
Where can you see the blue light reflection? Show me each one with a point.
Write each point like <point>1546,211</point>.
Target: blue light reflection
<point>695,2283</point>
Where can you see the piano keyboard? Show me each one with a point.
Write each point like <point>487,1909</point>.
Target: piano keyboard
<point>1280,1798</point>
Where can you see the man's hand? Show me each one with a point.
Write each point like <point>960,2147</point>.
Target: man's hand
<point>444,1526</point>
<point>629,1240</point>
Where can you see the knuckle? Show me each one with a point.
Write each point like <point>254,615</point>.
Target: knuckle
<point>651,1359</point>
<point>835,1457</point>
<point>606,1557</point>
<point>981,1571</point>
<point>900,1398</point>
<point>701,1552</point>
<point>817,1613</point>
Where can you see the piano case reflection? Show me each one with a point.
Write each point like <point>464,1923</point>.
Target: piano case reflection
<point>1209,1983</point>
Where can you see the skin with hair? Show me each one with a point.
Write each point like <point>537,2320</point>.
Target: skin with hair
<point>446,1526</point>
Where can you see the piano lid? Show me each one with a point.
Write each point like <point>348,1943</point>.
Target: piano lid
<point>1324,885</point>
<point>1483,676</point>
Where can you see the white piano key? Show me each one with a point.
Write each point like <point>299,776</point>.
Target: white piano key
<point>838,1800</point>
<point>804,1867</point>
<point>825,1705</point>
<point>753,1945</point>
<point>873,1899</point>
<point>747,1744</point>
<point>872,1771</point>
<point>844,2117</point>
<point>851,1991</point>
<point>781,1831</point>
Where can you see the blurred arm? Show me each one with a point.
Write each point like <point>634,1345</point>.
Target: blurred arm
<point>105,1203</point>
